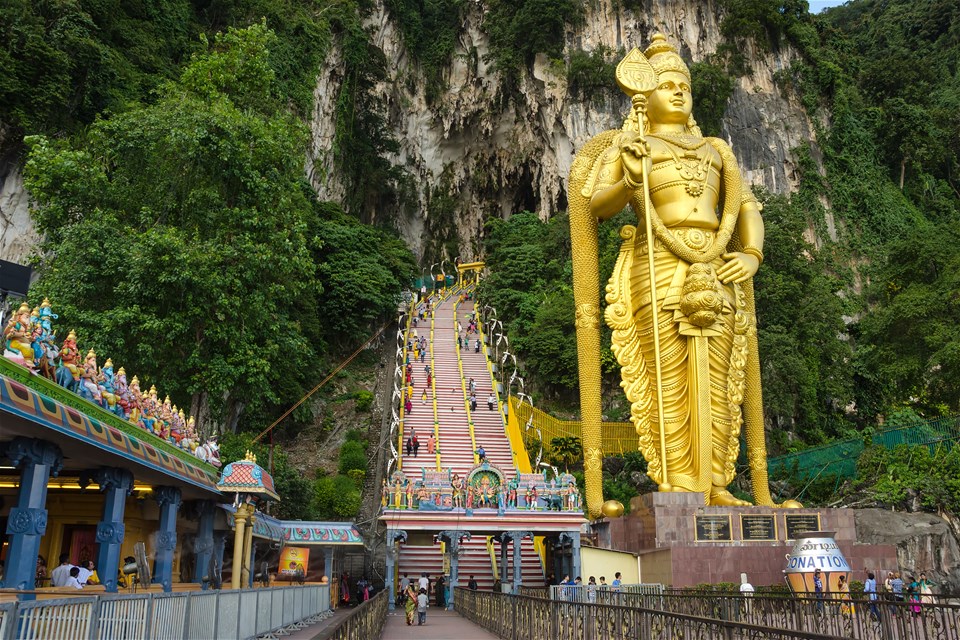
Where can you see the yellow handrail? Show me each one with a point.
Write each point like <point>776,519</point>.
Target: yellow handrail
<point>403,385</point>
<point>463,387</point>
<point>433,389</point>
<point>492,550</point>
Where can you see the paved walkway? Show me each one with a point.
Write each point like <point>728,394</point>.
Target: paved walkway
<point>441,625</point>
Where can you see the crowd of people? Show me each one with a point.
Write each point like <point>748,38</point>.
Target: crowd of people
<point>67,574</point>
<point>416,352</point>
<point>414,596</point>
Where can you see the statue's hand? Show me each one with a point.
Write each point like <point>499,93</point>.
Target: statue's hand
<point>634,151</point>
<point>739,267</point>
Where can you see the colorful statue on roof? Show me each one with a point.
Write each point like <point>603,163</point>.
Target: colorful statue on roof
<point>68,373</point>
<point>88,379</point>
<point>18,336</point>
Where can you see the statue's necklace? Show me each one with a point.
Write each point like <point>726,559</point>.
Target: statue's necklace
<point>692,166</point>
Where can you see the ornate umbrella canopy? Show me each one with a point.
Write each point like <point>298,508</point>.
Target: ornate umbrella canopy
<point>246,476</point>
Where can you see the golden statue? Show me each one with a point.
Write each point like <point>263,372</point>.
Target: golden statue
<point>689,363</point>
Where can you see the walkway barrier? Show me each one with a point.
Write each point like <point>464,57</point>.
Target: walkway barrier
<point>847,618</point>
<point>604,594</point>
<point>522,618</point>
<point>616,438</point>
<point>366,621</point>
<point>194,615</point>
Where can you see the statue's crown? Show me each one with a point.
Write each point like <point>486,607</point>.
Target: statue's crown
<point>663,56</point>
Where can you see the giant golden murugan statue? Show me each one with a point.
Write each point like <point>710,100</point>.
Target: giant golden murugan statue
<point>686,345</point>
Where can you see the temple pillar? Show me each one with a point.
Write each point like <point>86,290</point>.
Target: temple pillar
<point>203,545</point>
<point>328,564</point>
<point>116,484</point>
<point>504,541</point>
<point>453,539</point>
<point>518,537</point>
<point>393,535</point>
<point>219,546</point>
<point>239,538</point>
<point>574,553</point>
<point>166,542</point>
<point>246,573</point>
<point>27,522</point>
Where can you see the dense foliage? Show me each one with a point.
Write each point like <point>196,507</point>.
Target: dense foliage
<point>180,239</point>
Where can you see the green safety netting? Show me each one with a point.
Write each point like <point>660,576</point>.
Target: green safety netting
<point>840,458</point>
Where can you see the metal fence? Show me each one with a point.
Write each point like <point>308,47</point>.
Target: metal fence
<point>856,619</point>
<point>194,615</point>
<point>523,618</point>
<point>596,594</point>
<point>366,621</point>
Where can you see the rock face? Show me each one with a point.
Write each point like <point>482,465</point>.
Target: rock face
<point>497,154</point>
<point>494,151</point>
<point>17,236</point>
<point>925,543</point>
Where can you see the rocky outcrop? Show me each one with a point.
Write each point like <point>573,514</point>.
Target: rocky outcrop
<point>17,236</point>
<point>925,542</point>
<point>497,154</point>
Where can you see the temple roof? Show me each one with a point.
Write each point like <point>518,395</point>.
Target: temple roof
<point>246,476</point>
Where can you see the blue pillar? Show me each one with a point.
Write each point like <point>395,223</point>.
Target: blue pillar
<point>575,552</point>
<point>219,544</point>
<point>328,564</point>
<point>203,545</point>
<point>253,564</point>
<point>37,460</point>
<point>453,540</point>
<point>169,500</point>
<point>518,537</point>
<point>116,485</point>
<point>504,541</point>
<point>393,535</point>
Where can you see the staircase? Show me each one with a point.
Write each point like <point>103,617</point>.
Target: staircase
<point>447,414</point>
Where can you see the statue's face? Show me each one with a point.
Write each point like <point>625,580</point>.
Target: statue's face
<point>671,102</point>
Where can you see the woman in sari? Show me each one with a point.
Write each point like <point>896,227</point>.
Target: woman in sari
<point>410,604</point>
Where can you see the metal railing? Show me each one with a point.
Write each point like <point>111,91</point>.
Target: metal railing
<point>847,618</point>
<point>602,594</point>
<point>523,618</point>
<point>194,615</point>
<point>366,621</point>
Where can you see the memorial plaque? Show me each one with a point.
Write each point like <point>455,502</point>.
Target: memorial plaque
<point>801,523</point>
<point>757,527</point>
<point>713,528</point>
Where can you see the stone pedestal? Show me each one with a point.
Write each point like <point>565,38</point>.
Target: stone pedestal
<point>683,543</point>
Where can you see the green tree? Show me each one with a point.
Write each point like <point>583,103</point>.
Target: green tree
<point>566,450</point>
<point>175,235</point>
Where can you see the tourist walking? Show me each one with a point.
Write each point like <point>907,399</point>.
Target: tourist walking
<point>472,585</point>
<point>818,590</point>
<point>416,446</point>
<point>423,601</point>
<point>477,349</point>
<point>616,581</point>
<point>481,454</point>
<point>592,590</point>
<point>431,444</point>
<point>926,589</point>
<point>491,401</point>
<point>423,397</point>
<point>440,589</point>
<point>410,604</point>
<point>870,592</point>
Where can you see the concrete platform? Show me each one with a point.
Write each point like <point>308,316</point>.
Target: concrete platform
<point>441,625</point>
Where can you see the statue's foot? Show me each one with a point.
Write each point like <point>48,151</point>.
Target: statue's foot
<point>722,498</point>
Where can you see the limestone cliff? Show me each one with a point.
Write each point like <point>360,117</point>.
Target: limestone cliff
<point>497,154</point>
<point>17,236</point>
<point>925,543</point>
<point>493,151</point>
